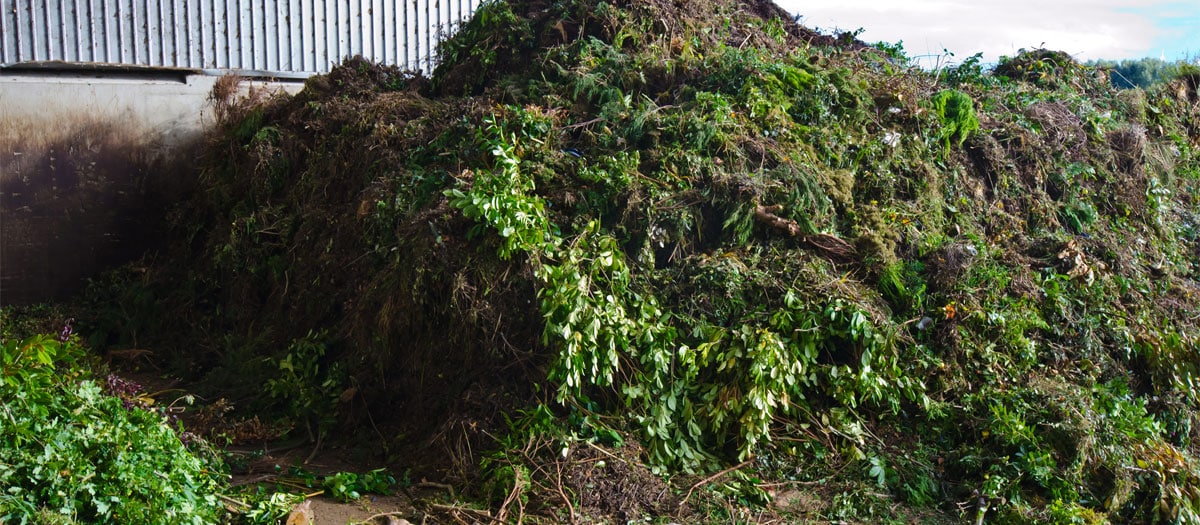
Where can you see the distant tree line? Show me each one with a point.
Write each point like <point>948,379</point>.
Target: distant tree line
<point>1142,72</point>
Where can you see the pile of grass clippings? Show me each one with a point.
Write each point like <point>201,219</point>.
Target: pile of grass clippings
<point>881,293</point>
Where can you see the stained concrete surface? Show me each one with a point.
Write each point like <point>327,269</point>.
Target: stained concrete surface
<point>86,160</point>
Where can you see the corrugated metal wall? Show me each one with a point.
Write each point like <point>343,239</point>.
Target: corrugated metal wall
<point>297,36</point>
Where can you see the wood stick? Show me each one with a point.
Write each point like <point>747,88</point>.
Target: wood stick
<point>713,477</point>
<point>767,215</point>
<point>467,510</point>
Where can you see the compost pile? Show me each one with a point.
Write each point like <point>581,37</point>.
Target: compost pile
<point>675,237</point>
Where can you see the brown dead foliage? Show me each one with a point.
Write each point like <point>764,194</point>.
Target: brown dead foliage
<point>613,484</point>
<point>1128,189</point>
<point>1061,130</point>
<point>946,265</point>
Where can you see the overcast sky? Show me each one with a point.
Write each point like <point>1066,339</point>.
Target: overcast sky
<point>1087,29</point>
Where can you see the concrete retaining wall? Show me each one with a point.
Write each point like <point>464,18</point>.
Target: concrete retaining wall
<point>86,159</point>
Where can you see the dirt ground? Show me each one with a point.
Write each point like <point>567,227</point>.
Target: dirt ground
<point>377,509</point>
<point>267,470</point>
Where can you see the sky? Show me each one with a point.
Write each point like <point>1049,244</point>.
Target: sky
<point>1086,29</point>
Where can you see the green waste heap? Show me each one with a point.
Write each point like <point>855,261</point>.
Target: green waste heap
<point>704,230</point>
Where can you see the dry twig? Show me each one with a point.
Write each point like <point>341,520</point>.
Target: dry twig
<point>372,518</point>
<point>454,510</point>
<point>434,485</point>
<point>514,495</point>
<point>712,478</point>
<point>561,493</point>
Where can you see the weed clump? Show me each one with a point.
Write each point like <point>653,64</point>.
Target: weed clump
<point>70,452</point>
<point>1043,67</point>
<point>956,112</point>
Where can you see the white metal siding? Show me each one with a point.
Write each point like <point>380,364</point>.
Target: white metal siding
<point>293,36</point>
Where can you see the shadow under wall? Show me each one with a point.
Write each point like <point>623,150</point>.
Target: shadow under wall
<point>77,198</point>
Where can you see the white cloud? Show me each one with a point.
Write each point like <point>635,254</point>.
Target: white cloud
<point>1087,29</point>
